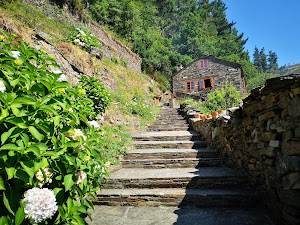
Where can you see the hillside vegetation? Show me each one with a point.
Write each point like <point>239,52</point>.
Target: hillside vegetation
<point>172,32</point>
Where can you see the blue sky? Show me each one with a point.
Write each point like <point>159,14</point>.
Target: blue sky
<point>272,24</point>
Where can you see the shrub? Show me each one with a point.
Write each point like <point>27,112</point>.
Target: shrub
<point>97,93</point>
<point>223,98</point>
<point>45,139</point>
<point>84,39</point>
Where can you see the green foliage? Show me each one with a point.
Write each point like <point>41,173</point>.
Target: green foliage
<point>97,93</point>
<point>223,98</point>
<point>43,124</point>
<point>83,39</point>
<point>259,81</point>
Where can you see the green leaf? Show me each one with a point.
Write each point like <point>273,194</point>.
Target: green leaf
<point>4,220</point>
<point>49,109</point>
<point>63,84</point>
<point>33,149</point>
<point>29,168</point>
<point>10,147</point>
<point>16,121</point>
<point>7,134</point>
<point>25,101</point>
<point>68,182</point>
<point>35,133</point>
<point>20,215</point>
<point>2,185</point>
<point>10,172</point>
<point>6,203</point>
<point>56,120</point>
<point>4,113</point>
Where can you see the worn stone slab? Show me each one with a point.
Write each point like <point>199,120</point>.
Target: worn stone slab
<point>177,196</point>
<point>166,135</point>
<point>175,173</point>
<point>171,163</point>
<point>170,144</point>
<point>168,128</point>
<point>170,153</point>
<point>162,215</point>
<point>203,177</point>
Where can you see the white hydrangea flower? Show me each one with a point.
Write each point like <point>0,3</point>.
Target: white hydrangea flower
<point>16,54</point>
<point>2,86</point>
<point>81,176</point>
<point>94,123</point>
<point>40,176</point>
<point>62,78</point>
<point>76,134</point>
<point>39,204</point>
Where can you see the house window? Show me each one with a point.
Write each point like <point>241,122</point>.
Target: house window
<point>203,64</point>
<point>190,86</point>
<point>206,83</point>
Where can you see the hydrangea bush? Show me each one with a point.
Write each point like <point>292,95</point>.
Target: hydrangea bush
<point>84,39</point>
<point>49,162</point>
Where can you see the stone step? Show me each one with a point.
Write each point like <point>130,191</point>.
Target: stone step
<point>171,163</point>
<point>168,128</point>
<point>176,196</point>
<point>161,123</point>
<point>169,144</point>
<point>204,177</point>
<point>167,136</point>
<point>169,153</point>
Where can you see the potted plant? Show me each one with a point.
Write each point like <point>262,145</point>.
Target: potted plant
<point>214,114</point>
<point>222,112</point>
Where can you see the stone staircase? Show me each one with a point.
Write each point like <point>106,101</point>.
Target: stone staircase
<point>172,166</point>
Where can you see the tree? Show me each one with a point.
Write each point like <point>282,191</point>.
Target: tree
<point>272,62</point>
<point>263,60</point>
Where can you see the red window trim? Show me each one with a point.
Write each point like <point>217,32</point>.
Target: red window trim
<point>190,89</point>
<point>211,81</point>
<point>204,67</point>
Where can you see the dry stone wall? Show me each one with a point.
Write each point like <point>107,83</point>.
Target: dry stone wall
<point>262,138</point>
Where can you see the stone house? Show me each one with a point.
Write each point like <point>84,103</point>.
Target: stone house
<point>204,75</point>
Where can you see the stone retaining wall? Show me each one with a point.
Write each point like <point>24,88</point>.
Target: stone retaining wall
<point>262,139</point>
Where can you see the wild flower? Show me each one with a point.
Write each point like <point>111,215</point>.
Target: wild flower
<point>82,91</point>
<point>18,62</point>
<point>16,54</point>
<point>107,164</point>
<point>70,110</point>
<point>94,123</point>
<point>100,105</point>
<point>80,177</point>
<point>86,158</point>
<point>1,37</point>
<point>2,86</point>
<point>39,204</point>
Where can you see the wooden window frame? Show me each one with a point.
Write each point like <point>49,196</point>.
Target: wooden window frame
<point>203,66</point>
<point>203,83</point>
<point>190,88</point>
